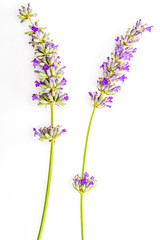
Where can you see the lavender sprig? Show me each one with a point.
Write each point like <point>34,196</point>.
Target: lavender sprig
<point>107,86</point>
<point>47,66</point>
<point>113,69</point>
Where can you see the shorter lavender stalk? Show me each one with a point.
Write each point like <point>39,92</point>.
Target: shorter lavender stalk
<point>108,85</point>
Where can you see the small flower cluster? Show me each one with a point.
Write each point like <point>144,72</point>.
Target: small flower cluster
<point>115,65</point>
<point>49,133</point>
<point>85,184</point>
<point>26,13</point>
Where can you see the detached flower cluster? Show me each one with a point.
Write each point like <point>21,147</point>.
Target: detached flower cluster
<point>85,184</point>
<point>108,85</point>
<point>47,65</point>
<point>49,133</point>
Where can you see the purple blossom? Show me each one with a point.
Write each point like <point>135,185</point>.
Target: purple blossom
<point>63,130</point>
<point>86,175</point>
<point>119,49</point>
<point>116,89</point>
<point>66,98</point>
<point>109,99</point>
<point>117,39</point>
<point>63,81</point>
<point>34,97</point>
<point>104,81</point>
<point>34,29</point>
<point>92,177</point>
<point>35,63</point>
<point>104,66</point>
<point>83,181</point>
<point>134,50</point>
<point>37,84</point>
<point>127,55</point>
<point>126,67</point>
<point>35,132</point>
<point>122,78</point>
<point>47,45</point>
<point>91,183</point>
<point>46,67</point>
<point>149,28</point>
<point>90,94</point>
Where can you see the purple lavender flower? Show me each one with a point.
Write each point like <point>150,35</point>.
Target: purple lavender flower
<point>91,183</point>
<point>66,98</point>
<point>109,99</point>
<point>104,66</point>
<point>117,39</point>
<point>116,89</point>
<point>46,67</point>
<point>149,28</point>
<point>90,94</point>
<point>63,130</point>
<point>35,132</point>
<point>34,97</point>
<point>122,78</point>
<point>83,181</point>
<point>37,84</point>
<point>119,49</point>
<point>34,29</point>
<point>105,81</point>
<point>126,67</point>
<point>134,50</point>
<point>35,63</point>
<point>86,175</point>
<point>63,81</point>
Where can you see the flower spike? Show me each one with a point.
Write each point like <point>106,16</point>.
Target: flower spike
<point>114,67</point>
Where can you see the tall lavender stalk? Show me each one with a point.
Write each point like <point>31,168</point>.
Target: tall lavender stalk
<point>47,65</point>
<point>107,86</point>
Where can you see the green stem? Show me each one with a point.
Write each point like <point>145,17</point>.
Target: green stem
<point>81,215</point>
<point>48,183</point>
<point>83,168</point>
<point>30,20</point>
<point>52,121</point>
<point>86,143</point>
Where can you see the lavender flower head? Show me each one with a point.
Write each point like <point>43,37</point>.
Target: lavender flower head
<point>85,184</point>
<point>47,63</point>
<point>49,133</point>
<point>113,69</point>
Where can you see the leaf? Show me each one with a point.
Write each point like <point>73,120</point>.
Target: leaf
<point>20,16</point>
<point>28,32</point>
<point>42,139</point>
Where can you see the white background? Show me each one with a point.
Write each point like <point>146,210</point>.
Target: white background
<point>123,151</point>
